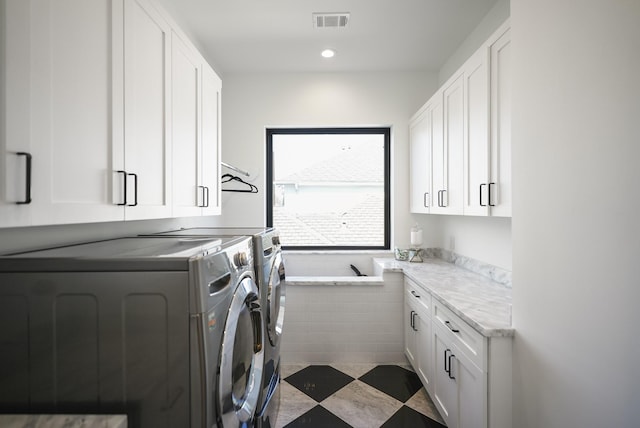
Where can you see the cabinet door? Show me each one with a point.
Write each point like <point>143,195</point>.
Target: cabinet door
<point>500,184</point>
<point>211,142</point>
<point>438,157</point>
<point>185,101</point>
<point>63,102</point>
<point>423,349</point>
<point>15,124</point>
<point>472,394</point>
<point>147,74</point>
<point>420,162</point>
<point>476,134</point>
<point>453,116</point>
<point>445,390</point>
<point>409,333</point>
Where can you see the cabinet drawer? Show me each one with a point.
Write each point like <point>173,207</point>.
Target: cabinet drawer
<point>417,297</point>
<point>468,340</point>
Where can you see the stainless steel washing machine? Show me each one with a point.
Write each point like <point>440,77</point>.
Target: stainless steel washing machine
<point>167,330</point>
<point>270,276</point>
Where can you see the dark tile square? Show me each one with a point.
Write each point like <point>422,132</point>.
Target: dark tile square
<point>395,381</point>
<point>318,417</point>
<point>406,417</point>
<point>319,382</point>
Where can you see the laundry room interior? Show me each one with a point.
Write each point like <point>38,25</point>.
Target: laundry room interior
<point>204,221</point>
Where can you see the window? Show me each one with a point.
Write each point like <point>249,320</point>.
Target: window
<point>329,188</point>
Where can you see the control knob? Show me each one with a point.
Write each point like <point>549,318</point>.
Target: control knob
<point>241,259</point>
<point>275,240</point>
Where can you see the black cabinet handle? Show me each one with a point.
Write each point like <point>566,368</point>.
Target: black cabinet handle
<point>414,321</point>
<point>27,190</point>
<point>481,204</point>
<point>451,376</point>
<point>124,175</point>
<point>417,296</point>
<point>443,203</point>
<point>448,324</point>
<point>491,204</point>
<point>425,199</point>
<point>202,204</point>
<point>135,189</point>
<point>411,320</point>
<point>206,205</point>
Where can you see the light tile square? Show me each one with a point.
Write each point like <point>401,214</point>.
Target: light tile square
<point>361,405</point>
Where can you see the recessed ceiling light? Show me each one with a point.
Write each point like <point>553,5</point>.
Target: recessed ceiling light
<point>328,53</point>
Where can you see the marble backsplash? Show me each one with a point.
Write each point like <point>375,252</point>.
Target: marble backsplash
<point>494,273</point>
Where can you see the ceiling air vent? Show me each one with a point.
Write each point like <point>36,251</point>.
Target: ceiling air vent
<point>330,20</point>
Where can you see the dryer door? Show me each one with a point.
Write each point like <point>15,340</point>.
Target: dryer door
<point>241,358</point>
<point>275,299</point>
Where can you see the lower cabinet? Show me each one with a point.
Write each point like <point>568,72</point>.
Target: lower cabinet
<point>467,375</point>
<point>459,386</point>
<point>418,331</point>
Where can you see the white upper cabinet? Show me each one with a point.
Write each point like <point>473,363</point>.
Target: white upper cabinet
<point>101,101</point>
<point>142,164</point>
<point>209,164</point>
<point>470,137</point>
<point>420,157</point>
<point>185,130</point>
<point>448,150</point>
<point>57,110</point>
<point>476,134</point>
<point>15,128</point>
<point>500,183</point>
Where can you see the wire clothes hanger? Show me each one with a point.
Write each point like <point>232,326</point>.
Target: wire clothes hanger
<point>228,178</point>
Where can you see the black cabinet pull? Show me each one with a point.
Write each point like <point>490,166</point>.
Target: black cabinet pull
<point>206,188</point>
<point>481,204</point>
<point>451,376</point>
<point>200,205</point>
<point>448,324</point>
<point>27,190</point>
<point>491,204</point>
<point>425,199</point>
<point>443,203</point>
<point>124,175</point>
<point>135,189</point>
<point>411,320</point>
<point>417,296</point>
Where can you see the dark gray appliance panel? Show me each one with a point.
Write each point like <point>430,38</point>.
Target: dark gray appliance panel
<point>87,343</point>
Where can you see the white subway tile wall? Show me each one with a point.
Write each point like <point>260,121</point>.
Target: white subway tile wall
<point>344,323</point>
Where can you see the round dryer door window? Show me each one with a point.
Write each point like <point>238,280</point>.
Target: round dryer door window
<point>241,357</point>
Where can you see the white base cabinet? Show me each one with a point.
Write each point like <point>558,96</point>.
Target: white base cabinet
<point>418,331</point>
<point>467,375</point>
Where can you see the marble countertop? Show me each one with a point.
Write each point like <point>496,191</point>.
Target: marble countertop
<point>483,303</point>
<point>63,421</point>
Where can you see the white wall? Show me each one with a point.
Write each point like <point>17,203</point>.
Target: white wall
<point>576,231</point>
<point>481,238</point>
<point>492,20</point>
<point>253,102</point>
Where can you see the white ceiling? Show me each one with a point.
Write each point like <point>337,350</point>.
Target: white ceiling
<point>278,35</point>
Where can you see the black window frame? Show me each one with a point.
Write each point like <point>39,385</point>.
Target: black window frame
<point>384,130</point>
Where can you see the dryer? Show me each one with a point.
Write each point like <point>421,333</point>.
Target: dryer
<point>270,276</point>
<point>167,330</point>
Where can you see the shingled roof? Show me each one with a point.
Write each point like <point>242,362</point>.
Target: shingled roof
<point>355,164</point>
<point>363,225</point>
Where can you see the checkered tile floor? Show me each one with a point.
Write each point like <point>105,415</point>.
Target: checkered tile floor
<point>357,396</point>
